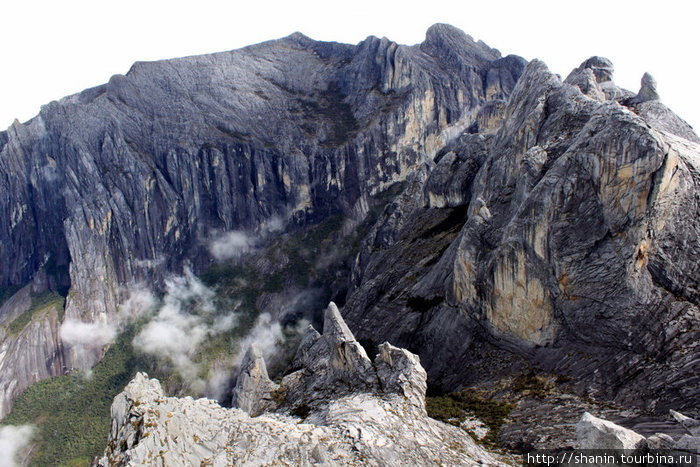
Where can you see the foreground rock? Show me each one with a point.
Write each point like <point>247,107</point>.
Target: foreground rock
<point>339,408</point>
<point>596,433</point>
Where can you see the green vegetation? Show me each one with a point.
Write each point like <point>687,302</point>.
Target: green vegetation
<point>532,384</point>
<point>71,412</point>
<point>239,286</point>
<point>40,302</point>
<point>453,408</point>
<point>224,275</point>
<point>304,248</point>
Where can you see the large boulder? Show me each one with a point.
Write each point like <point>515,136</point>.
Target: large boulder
<point>596,433</point>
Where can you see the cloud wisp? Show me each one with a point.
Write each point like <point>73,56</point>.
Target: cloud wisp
<point>95,335</point>
<point>185,318</point>
<point>14,441</point>
<point>236,243</point>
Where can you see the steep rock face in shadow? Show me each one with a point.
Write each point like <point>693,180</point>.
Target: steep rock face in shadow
<point>572,245</point>
<point>128,181</point>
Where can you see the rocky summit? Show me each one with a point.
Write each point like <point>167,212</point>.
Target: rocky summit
<point>339,408</point>
<point>496,235</point>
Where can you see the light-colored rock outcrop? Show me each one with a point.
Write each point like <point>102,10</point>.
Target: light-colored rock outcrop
<point>254,391</point>
<point>596,433</point>
<point>339,409</point>
<point>690,424</point>
<point>647,91</point>
<point>688,442</point>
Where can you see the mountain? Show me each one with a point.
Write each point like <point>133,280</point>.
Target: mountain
<point>127,181</point>
<point>477,210</point>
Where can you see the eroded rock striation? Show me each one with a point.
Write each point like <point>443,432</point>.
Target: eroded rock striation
<point>128,181</point>
<point>565,239</point>
<point>340,408</point>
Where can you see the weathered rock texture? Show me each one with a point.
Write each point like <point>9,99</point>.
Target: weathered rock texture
<point>355,413</point>
<point>127,181</point>
<point>254,391</point>
<point>596,433</point>
<point>126,177</point>
<point>568,236</point>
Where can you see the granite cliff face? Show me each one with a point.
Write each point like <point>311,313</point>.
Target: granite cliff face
<point>541,224</point>
<point>566,235</point>
<point>128,181</point>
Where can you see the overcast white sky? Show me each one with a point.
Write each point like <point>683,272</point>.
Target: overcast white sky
<point>50,49</point>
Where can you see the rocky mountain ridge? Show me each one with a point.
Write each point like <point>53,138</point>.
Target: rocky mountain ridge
<point>570,241</point>
<point>339,408</point>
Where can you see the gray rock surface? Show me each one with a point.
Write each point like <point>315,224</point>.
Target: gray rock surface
<point>363,425</point>
<point>254,391</point>
<point>32,353</point>
<point>399,371</point>
<point>690,424</point>
<point>596,433</point>
<point>688,443</point>
<point>660,441</point>
<point>542,223</point>
<point>647,91</point>
<point>335,364</point>
<point>570,248</point>
<point>594,77</point>
<point>128,181</point>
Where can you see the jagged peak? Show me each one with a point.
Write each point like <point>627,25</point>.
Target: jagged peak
<point>334,327</point>
<point>400,371</point>
<point>253,387</point>
<point>143,387</point>
<point>601,67</point>
<point>647,91</point>
<point>594,77</point>
<point>309,338</point>
<point>329,365</point>
<point>253,361</point>
<point>444,40</point>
